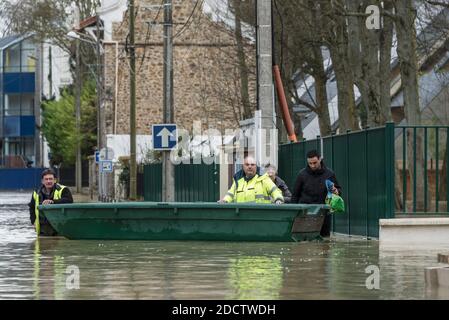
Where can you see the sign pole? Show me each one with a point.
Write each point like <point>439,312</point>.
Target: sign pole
<point>132,58</point>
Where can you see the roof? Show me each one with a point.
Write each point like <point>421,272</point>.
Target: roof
<point>88,22</point>
<point>8,41</point>
<point>431,83</point>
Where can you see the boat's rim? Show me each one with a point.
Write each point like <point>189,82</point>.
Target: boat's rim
<point>182,205</point>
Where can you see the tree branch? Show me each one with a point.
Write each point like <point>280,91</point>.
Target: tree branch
<point>438,3</point>
<point>304,103</point>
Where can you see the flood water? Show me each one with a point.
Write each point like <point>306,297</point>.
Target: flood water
<point>332,269</point>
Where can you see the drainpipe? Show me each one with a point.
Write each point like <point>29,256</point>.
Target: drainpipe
<point>288,123</point>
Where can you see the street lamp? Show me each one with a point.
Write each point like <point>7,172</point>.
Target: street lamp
<point>84,38</point>
<point>94,40</point>
<point>75,35</point>
<point>78,174</point>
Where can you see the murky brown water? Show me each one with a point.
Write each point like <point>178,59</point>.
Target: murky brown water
<point>335,269</point>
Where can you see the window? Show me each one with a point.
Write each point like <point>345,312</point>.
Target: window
<point>20,147</point>
<point>27,107</point>
<point>12,59</point>
<point>19,105</point>
<point>11,127</point>
<point>28,56</point>
<point>20,57</point>
<point>12,105</point>
<point>28,146</point>
<point>12,147</point>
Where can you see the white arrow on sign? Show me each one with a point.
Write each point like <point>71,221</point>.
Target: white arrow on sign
<point>174,136</point>
<point>165,134</point>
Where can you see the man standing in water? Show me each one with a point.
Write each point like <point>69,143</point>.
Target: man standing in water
<point>310,186</point>
<point>249,186</point>
<point>48,193</point>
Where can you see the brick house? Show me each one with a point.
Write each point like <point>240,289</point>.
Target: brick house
<point>206,72</point>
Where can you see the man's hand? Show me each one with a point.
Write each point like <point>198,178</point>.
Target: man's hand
<point>221,201</point>
<point>48,201</point>
<point>278,202</point>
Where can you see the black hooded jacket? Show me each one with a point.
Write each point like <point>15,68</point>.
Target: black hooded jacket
<point>310,186</point>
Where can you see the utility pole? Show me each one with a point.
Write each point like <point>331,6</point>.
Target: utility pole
<point>50,73</point>
<point>265,89</point>
<point>168,169</point>
<point>38,137</point>
<point>78,175</point>
<point>100,124</point>
<point>103,178</point>
<point>132,58</point>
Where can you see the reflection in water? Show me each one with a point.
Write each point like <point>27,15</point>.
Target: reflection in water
<point>403,270</point>
<point>36,273</point>
<point>335,269</point>
<point>255,277</point>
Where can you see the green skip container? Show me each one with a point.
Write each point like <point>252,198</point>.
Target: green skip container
<point>186,221</point>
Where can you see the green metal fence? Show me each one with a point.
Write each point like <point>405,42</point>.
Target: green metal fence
<point>152,182</point>
<point>423,170</point>
<point>197,182</point>
<point>193,182</point>
<point>359,160</point>
<point>366,163</point>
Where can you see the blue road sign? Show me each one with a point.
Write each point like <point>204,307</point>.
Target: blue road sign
<point>165,136</point>
<point>97,156</point>
<point>106,166</point>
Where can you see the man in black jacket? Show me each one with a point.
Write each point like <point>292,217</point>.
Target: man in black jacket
<point>48,193</point>
<point>310,186</point>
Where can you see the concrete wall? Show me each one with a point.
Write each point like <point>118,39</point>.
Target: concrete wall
<point>414,231</point>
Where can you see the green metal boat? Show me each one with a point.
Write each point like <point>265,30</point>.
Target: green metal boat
<point>186,221</point>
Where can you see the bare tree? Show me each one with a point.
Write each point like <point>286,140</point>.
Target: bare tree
<point>243,68</point>
<point>370,56</point>
<point>407,53</point>
<point>46,19</point>
<point>237,60</point>
<point>336,37</point>
<point>299,48</point>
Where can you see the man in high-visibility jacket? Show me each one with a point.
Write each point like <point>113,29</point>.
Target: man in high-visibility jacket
<point>48,193</point>
<point>249,186</point>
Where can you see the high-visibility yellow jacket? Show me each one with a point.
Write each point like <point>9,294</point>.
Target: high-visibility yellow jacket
<point>56,196</point>
<point>260,189</point>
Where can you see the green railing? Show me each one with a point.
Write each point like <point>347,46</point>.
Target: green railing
<point>423,170</point>
<point>193,182</point>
